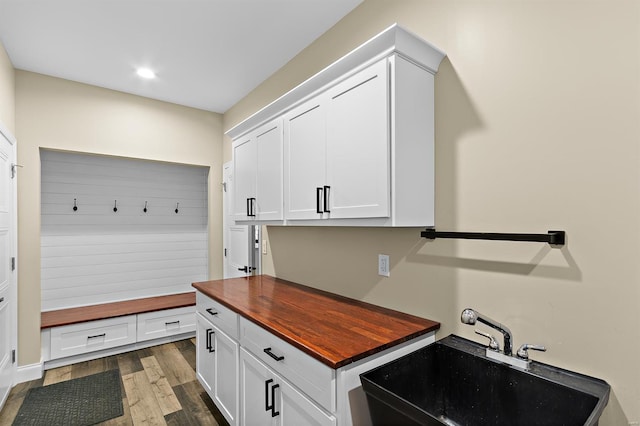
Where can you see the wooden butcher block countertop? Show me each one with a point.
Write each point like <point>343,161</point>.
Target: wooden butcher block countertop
<point>335,330</point>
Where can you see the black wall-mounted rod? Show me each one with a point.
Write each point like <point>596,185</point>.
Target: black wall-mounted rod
<point>556,238</point>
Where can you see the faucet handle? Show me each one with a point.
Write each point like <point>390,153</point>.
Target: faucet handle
<point>493,343</point>
<point>523,351</point>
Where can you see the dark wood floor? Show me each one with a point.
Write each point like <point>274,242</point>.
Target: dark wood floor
<point>159,387</point>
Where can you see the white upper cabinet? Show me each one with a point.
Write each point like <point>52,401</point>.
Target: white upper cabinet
<point>244,181</point>
<point>358,142</point>
<point>257,163</point>
<point>358,156</point>
<point>337,151</point>
<point>305,160</point>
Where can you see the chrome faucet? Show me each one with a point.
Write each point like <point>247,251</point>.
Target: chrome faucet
<point>469,316</point>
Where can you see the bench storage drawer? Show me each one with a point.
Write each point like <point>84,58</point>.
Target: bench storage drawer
<point>169,322</point>
<point>92,336</point>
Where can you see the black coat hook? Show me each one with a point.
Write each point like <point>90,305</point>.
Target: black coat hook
<point>145,207</point>
<point>115,206</point>
<point>75,205</point>
<point>177,204</point>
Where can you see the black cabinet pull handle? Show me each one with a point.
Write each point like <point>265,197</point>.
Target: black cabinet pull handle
<point>267,407</point>
<point>96,336</point>
<point>1,299</point>
<point>326,198</point>
<point>211,312</point>
<point>209,344</point>
<point>272,355</point>
<point>246,269</point>
<point>172,322</point>
<point>318,200</point>
<point>251,207</point>
<point>273,401</point>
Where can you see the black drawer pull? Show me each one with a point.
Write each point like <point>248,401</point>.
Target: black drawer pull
<point>172,322</point>
<point>272,355</point>
<point>211,312</point>
<point>96,336</point>
<point>1,299</point>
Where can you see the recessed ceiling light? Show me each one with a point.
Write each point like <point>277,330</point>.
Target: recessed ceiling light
<point>145,73</point>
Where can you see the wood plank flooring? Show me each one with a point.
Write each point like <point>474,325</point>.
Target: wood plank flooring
<point>159,387</point>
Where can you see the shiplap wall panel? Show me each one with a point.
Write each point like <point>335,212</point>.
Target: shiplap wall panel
<point>95,255</point>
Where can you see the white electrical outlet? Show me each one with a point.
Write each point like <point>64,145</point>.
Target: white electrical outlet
<point>383,265</point>
<point>264,246</point>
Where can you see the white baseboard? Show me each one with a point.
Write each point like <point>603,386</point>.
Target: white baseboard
<point>24,373</point>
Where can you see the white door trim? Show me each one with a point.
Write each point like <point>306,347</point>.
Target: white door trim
<point>13,252</point>
<point>251,233</point>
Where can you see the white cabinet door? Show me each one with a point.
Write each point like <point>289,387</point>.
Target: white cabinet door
<point>269,399</point>
<point>269,172</point>
<point>226,377</point>
<point>255,388</point>
<point>205,361</point>
<point>244,183</point>
<point>305,161</point>
<point>217,367</point>
<point>358,147</point>
<point>295,409</point>
<point>257,170</point>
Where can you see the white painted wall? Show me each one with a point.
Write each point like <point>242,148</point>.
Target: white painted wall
<point>57,114</point>
<point>97,255</point>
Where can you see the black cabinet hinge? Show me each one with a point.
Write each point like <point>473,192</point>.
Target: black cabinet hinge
<point>13,263</point>
<point>225,252</point>
<point>13,356</point>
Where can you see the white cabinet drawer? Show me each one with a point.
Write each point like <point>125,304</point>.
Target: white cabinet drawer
<point>92,336</point>
<point>153,325</point>
<point>219,315</point>
<point>306,373</point>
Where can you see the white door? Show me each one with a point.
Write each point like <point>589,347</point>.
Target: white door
<point>305,161</point>
<point>237,238</point>
<point>7,266</point>
<point>358,148</point>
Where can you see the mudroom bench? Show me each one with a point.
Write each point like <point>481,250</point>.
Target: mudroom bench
<point>89,332</point>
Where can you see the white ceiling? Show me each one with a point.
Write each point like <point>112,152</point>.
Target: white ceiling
<point>207,54</point>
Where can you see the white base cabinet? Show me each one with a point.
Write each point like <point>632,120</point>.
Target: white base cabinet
<point>257,379</point>
<point>269,399</point>
<point>217,355</point>
<point>217,367</point>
